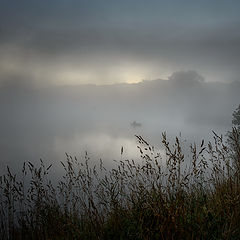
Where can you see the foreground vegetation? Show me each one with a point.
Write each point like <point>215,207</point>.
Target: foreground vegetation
<point>177,195</point>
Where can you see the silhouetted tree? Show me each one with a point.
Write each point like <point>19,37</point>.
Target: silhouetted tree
<point>236,118</point>
<point>234,138</point>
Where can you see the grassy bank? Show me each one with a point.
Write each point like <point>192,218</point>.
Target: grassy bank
<point>194,195</point>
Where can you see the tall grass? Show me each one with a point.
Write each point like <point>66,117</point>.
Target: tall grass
<point>194,195</point>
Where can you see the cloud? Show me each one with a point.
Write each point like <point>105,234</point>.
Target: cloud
<point>81,50</point>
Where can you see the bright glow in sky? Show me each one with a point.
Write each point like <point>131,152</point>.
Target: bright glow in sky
<point>107,42</point>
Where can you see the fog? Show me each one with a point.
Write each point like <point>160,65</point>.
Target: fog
<point>45,122</point>
<point>80,76</point>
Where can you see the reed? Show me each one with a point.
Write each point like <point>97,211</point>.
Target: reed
<point>194,195</point>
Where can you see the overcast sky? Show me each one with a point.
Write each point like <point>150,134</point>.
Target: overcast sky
<point>49,47</point>
<point>104,42</point>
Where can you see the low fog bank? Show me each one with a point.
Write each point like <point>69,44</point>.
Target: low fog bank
<point>45,122</point>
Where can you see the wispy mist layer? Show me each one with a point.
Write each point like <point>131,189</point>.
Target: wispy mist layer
<point>47,122</point>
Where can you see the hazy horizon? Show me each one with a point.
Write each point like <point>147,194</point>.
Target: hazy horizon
<point>84,75</point>
<point>46,122</point>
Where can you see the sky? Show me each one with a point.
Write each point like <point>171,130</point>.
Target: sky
<point>105,42</point>
<point>75,74</point>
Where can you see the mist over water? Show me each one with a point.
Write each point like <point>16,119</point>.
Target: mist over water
<point>104,106</point>
<point>45,122</point>
<point>66,69</point>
